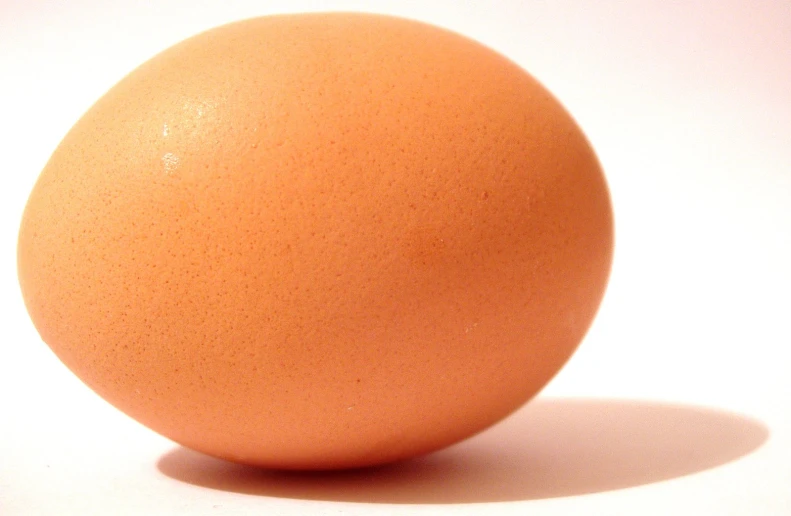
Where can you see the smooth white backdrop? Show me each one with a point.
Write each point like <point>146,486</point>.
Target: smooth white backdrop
<point>689,109</point>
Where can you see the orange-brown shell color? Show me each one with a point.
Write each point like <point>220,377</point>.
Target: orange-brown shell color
<point>318,241</point>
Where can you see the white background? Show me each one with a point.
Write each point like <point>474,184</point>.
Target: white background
<point>689,109</point>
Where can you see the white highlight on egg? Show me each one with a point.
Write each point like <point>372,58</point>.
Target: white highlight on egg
<point>171,162</point>
<point>471,327</point>
<point>197,108</point>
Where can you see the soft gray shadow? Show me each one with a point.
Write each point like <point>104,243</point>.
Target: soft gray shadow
<point>550,448</point>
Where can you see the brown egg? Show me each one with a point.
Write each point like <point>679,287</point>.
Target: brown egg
<point>319,241</point>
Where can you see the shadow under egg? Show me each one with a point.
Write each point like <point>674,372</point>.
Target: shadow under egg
<point>550,448</point>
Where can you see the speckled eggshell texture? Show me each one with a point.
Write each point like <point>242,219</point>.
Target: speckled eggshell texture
<point>319,241</point>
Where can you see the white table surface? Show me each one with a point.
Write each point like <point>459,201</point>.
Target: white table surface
<point>679,399</point>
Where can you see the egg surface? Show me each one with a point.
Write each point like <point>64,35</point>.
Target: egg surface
<point>318,241</point>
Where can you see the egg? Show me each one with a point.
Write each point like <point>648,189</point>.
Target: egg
<point>319,241</point>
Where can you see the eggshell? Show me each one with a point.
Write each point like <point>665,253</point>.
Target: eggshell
<point>319,241</point>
